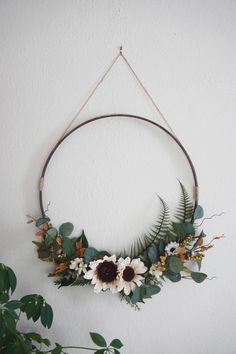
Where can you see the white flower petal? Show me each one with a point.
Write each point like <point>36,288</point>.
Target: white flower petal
<point>133,286</point>
<point>98,288</point>
<point>89,274</point>
<point>127,288</point>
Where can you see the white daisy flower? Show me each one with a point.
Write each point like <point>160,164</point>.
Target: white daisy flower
<point>103,274</point>
<point>129,274</point>
<point>156,269</point>
<point>78,265</point>
<point>172,248</point>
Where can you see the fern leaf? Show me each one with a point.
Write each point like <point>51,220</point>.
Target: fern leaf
<point>184,210</point>
<point>157,232</point>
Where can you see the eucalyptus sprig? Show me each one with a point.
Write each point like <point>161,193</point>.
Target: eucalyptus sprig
<point>35,307</point>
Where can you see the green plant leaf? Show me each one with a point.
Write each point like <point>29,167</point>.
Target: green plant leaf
<point>153,254</point>
<point>198,277</point>
<point>48,240</point>
<point>179,230</point>
<point>152,290</point>
<point>174,277</point>
<point>30,298</point>
<point>199,264</point>
<point>84,240</point>
<point>68,247</point>
<point>34,336</point>
<point>43,252</point>
<point>175,264</point>
<point>136,296</point>
<point>30,309</point>
<point>46,315</point>
<point>2,327</point>
<point>57,349</point>
<point>4,282</point>
<point>184,211</point>
<point>12,279</point>
<point>42,221</point>
<point>98,339</point>
<point>4,297</point>
<point>116,343</point>
<point>189,229</point>
<point>155,234</point>
<point>13,304</point>
<point>9,321</point>
<point>52,232</point>
<point>37,338</point>
<point>198,213</point>
<point>100,351</point>
<point>89,254</point>
<point>38,244</point>
<point>161,247</point>
<point>183,229</point>
<point>37,311</point>
<point>65,281</point>
<point>66,229</point>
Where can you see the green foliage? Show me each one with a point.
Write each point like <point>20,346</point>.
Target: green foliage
<point>98,339</point>
<point>175,264</point>
<point>42,221</point>
<point>57,349</point>
<point>198,277</point>
<point>35,307</point>
<point>46,315</point>
<point>50,236</point>
<point>68,246</point>
<point>184,210</point>
<point>198,213</point>
<point>89,254</point>
<point>66,229</point>
<point>153,254</point>
<point>43,251</point>
<point>153,237</point>
<point>7,279</point>
<point>84,240</point>
<point>12,341</point>
<point>182,230</point>
<point>116,343</point>
<point>65,280</point>
<point>144,292</point>
<point>174,277</point>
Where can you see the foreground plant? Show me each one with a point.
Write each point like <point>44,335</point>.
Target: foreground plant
<point>13,341</point>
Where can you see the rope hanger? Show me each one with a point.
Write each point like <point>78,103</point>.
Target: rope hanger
<point>109,68</point>
<point>68,131</point>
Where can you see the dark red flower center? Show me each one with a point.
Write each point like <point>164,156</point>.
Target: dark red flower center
<point>107,271</point>
<point>128,274</point>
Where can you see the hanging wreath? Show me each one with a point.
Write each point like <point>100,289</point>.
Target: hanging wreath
<point>172,249</point>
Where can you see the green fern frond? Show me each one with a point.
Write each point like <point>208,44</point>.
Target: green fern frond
<point>81,281</point>
<point>184,211</point>
<point>157,232</point>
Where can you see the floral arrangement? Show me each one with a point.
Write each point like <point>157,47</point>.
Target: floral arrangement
<point>172,249</point>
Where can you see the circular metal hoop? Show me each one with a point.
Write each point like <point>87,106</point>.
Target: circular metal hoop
<point>112,116</point>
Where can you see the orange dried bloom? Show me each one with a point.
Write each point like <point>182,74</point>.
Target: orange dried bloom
<point>39,233</point>
<point>60,268</point>
<point>30,221</point>
<point>80,249</point>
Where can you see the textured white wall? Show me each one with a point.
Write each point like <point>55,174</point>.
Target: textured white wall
<point>105,177</point>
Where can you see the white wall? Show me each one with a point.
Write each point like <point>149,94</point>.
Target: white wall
<point>104,179</point>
